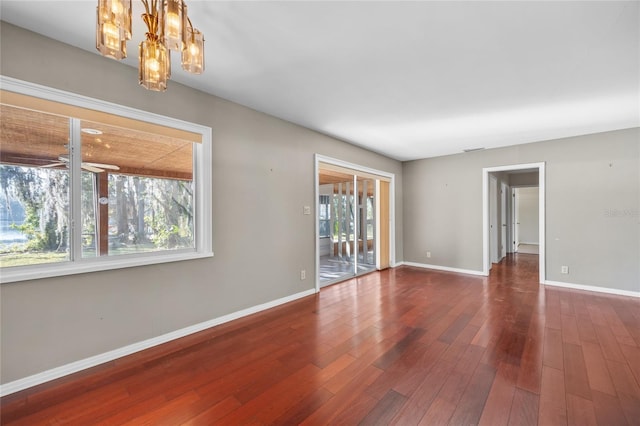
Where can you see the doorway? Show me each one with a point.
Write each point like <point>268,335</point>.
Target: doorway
<point>353,221</point>
<point>498,207</point>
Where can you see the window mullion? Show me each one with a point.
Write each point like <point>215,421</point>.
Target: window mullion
<point>75,196</point>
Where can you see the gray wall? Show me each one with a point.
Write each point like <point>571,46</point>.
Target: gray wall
<point>260,164</point>
<point>592,207</point>
<point>523,179</point>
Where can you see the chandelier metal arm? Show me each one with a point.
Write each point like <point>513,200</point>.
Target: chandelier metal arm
<point>146,6</point>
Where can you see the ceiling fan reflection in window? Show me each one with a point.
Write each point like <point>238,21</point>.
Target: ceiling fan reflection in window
<point>63,160</point>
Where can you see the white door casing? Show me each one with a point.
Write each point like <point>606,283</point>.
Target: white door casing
<point>486,259</point>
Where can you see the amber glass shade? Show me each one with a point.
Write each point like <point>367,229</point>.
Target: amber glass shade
<point>117,12</point>
<point>193,54</point>
<point>113,27</point>
<point>110,40</point>
<point>154,69</point>
<point>175,18</point>
<point>126,18</point>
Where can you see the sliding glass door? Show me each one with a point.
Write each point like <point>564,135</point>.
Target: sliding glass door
<point>347,225</point>
<point>366,229</point>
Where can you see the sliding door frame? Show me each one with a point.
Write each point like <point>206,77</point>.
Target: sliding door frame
<point>319,158</point>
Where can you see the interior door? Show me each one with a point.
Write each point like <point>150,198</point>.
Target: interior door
<point>516,220</point>
<point>504,192</point>
<point>493,219</point>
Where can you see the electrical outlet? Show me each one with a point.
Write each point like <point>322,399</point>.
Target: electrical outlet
<point>429,254</point>
<point>303,274</point>
<point>564,270</point>
<point>306,210</point>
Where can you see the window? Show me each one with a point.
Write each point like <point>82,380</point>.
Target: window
<point>135,205</point>
<point>325,216</point>
<point>82,194</point>
<point>34,203</point>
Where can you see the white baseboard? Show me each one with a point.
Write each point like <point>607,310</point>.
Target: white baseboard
<point>74,367</point>
<point>547,282</point>
<point>593,288</point>
<point>444,268</point>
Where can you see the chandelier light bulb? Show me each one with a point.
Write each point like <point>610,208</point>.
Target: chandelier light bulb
<point>117,8</point>
<point>154,65</point>
<point>194,49</point>
<point>111,36</point>
<point>193,55</point>
<point>173,26</point>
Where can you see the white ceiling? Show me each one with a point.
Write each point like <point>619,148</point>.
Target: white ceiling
<point>406,79</point>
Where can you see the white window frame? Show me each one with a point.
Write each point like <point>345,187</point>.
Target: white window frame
<point>202,201</point>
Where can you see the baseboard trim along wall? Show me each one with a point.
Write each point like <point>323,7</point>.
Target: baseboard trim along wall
<point>547,282</point>
<point>593,288</point>
<point>74,367</point>
<point>443,268</point>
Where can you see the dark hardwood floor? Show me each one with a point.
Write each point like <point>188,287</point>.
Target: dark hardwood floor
<point>404,346</point>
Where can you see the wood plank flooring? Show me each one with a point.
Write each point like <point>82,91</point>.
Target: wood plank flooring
<point>404,346</point>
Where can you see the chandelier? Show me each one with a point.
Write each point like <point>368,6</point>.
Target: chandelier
<point>168,28</point>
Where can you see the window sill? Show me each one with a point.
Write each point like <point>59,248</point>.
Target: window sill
<point>16,274</point>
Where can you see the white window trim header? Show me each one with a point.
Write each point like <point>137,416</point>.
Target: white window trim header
<point>202,174</point>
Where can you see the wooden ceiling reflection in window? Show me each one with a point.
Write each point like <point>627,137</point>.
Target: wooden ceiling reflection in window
<point>33,138</point>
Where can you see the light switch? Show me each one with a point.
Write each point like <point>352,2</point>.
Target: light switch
<point>306,210</point>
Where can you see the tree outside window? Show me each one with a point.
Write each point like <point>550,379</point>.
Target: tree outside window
<point>136,190</point>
